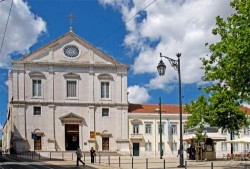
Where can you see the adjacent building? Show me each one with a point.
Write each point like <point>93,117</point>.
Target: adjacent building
<point>144,132</point>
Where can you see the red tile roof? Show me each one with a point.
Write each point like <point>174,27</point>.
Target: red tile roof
<point>245,109</point>
<point>151,108</point>
<point>166,108</point>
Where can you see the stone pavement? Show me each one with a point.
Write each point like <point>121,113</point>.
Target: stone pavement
<point>153,163</point>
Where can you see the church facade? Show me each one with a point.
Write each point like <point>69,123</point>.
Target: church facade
<point>65,94</point>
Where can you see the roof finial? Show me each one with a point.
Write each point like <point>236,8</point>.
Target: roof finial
<point>71,17</point>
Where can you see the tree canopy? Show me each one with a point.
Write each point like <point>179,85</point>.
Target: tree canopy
<point>229,63</point>
<point>228,67</point>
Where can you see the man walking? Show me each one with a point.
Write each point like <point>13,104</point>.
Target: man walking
<point>79,156</point>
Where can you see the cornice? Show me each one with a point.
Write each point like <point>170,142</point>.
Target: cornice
<point>49,103</point>
<point>72,64</point>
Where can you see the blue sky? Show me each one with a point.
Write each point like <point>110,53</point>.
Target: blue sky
<point>165,26</point>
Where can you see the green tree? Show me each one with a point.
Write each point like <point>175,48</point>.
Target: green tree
<point>229,69</point>
<point>1,143</point>
<point>198,110</point>
<point>225,111</point>
<point>229,63</point>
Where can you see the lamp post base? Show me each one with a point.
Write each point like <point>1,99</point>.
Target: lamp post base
<point>181,166</point>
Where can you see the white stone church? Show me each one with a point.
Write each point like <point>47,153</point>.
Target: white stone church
<point>62,94</point>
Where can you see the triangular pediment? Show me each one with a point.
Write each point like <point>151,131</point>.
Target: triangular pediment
<point>71,118</point>
<point>69,48</point>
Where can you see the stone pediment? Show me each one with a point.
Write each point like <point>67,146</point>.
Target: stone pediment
<point>71,118</point>
<point>69,48</point>
<point>71,76</point>
<point>136,121</point>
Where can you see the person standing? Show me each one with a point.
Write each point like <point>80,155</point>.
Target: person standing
<point>92,154</point>
<point>79,156</point>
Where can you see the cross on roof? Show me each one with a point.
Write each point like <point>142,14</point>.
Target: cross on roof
<point>71,17</point>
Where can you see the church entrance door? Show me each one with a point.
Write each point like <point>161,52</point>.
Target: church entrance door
<point>71,136</point>
<point>105,143</point>
<point>38,143</point>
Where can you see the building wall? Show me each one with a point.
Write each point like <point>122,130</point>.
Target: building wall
<point>167,139</point>
<point>54,69</point>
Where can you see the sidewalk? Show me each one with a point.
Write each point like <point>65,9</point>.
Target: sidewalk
<point>153,163</point>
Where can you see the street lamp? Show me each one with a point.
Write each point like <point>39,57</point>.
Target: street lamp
<point>161,70</point>
<point>160,130</point>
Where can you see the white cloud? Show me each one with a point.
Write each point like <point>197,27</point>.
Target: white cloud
<point>24,29</point>
<point>137,94</point>
<point>178,26</point>
<point>6,83</point>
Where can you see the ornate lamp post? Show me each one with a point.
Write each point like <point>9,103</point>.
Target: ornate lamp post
<point>160,128</point>
<point>161,70</point>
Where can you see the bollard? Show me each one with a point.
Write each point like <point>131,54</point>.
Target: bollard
<point>164,165</point>
<point>99,158</point>
<point>119,161</point>
<point>132,163</point>
<point>50,155</point>
<point>109,160</point>
<point>72,156</point>
<point>62,155</point>
<point>185,164</point>
<point>84,157</point>
<point>146,163</point>
<point>39,156</point>
<point>212,165</point>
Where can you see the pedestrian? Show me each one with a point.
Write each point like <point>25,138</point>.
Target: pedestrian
<point>79,156</point>
<point>92,154</point>
<point>179,152</point>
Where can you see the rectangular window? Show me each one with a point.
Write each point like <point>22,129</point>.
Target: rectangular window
<point>246,147</point>
<point>105,112</point>
<point>147,128</point>
<point>71,88</point>
<point>235,146</point>
<point>163,146</point>
<point>148,146</point>
<point>37,87</point>
<point>104,89</point>
<point>136,129</point>
<point>246,130</point>
<point>162,129</point>
<point>37,111</point>
<point>174,129</point>
<point>224,131</point>
<point>223,146</point>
